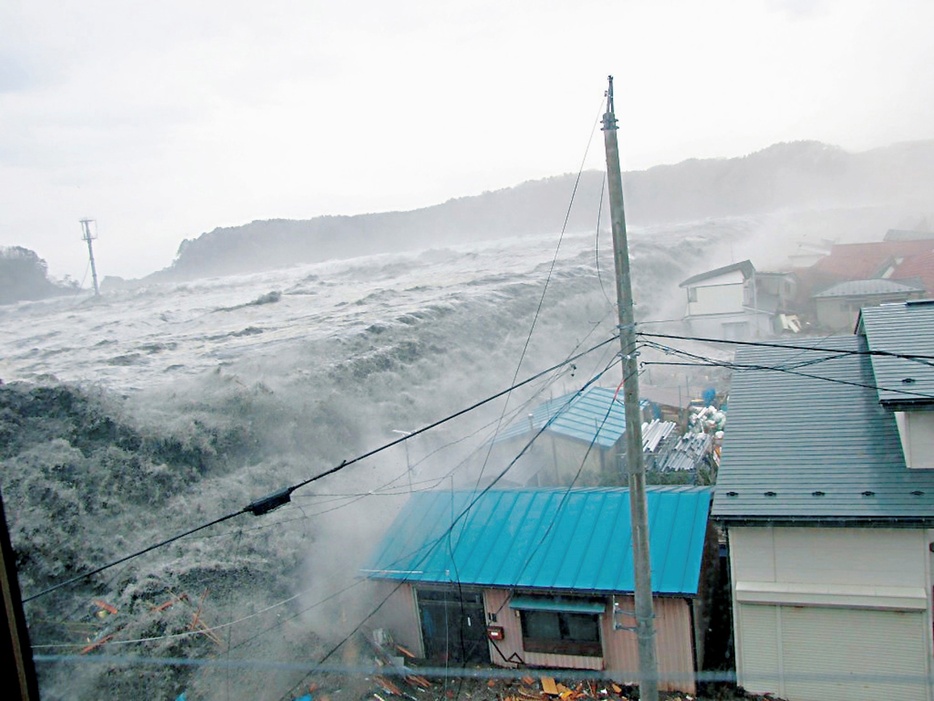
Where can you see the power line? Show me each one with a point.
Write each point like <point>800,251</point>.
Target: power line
<point>920,357</point>
<point>567,492</point>
<point>541,300</point>
<point>273,501</point>
<point>708,362</point>
<point>348,463</point>
<point>454,521</point>
<point>114,563</point>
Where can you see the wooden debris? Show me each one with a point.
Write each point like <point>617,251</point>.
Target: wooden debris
<point>96,644</point>
<point>407,653</point>
<point>167,604</point>
<point>388,686</point>
<point>200,626</point>
<point>419,681</point>
<point>528,681</point>
<point>549,686</point>
<point>104,606</point>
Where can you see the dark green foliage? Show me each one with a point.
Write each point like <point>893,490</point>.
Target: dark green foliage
<point>24,276</point>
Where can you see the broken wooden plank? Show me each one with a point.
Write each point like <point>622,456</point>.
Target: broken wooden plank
<point>105,606</point>
<point>96,644</point>
<point>388,686</point>
<point>418,681</point>
<point>549,686</point>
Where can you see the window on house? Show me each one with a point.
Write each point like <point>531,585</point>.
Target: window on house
<point>561,632</point>
<point>692,294</point>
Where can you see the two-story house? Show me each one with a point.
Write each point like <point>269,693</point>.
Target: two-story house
<point>735,302</point>
<point>826,491</point>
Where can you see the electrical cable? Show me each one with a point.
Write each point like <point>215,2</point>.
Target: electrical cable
<point>703,361</point>
<point>567,492</point>
<point>541,300</point>
<point>276,499</point>
<point>596,246</point>
<point>114,563</point>
<point>920,357</point>
<point>437,541</point>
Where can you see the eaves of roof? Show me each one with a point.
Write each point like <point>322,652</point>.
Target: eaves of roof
<point>744,266</point>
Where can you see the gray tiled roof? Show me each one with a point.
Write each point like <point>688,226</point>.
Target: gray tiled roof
<point>811,443</point>
<point>905,328</point>
<point>875,286</point>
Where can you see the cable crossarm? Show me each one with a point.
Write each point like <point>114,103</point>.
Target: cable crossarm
<point>273,501</point>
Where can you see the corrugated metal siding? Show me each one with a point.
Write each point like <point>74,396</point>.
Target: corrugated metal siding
<point>906,328</point>
<point>673,644</point>
<point>398,614</point>
<point>844,647</point>
<point>800,446</point>
<point>558,539</point>
<point>620,648</point>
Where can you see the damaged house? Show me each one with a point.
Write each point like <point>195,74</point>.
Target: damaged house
<point>544,578</point>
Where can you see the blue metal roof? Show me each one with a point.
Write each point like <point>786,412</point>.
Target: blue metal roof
<point>556,539</point>
<point>595,415</point>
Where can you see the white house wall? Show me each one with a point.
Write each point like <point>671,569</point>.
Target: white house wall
<point>867,556</point>
<point>818,610</point>
<point>916,430</point>
<point>717,299</point>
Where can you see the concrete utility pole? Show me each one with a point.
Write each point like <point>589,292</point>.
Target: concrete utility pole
<point>645,613</point>
<point>86,225</point>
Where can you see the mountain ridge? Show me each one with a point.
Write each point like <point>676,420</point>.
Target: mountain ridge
<point>787,175</point>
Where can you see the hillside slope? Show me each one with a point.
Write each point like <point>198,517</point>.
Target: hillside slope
<point>785,177</point>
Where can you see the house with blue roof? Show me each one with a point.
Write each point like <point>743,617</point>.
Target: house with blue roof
<point>544,578</point>
<point>576,439</point>
<point>826,492</point>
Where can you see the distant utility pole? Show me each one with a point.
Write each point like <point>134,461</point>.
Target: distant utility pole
<point>88,236</point>
<point>645,612</point>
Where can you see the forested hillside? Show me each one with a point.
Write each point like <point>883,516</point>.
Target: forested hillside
<point>24,276</point>
<point>795,176</point>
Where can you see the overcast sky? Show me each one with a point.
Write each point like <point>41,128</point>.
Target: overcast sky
<point>163,120</point>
